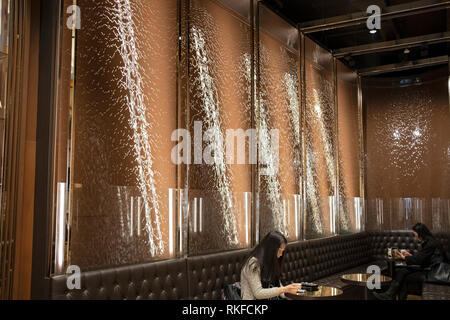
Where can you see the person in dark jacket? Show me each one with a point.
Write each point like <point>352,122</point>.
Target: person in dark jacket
<point>416,265</point>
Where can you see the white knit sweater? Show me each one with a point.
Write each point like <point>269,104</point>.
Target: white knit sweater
<point>251,287</point>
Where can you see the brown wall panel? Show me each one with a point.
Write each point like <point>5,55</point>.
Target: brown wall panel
<point>320,140</point>
<point>279,109</point>
<point>407,143</point>
<point>350,204</point>
<point>220,62</point>
<point>123,116</point>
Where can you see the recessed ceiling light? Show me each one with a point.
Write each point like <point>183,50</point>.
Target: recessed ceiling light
<point>373,31</point>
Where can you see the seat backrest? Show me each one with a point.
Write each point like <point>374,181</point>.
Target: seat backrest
<point>334,254</point>
<point>209,274</point>
<point>296,267</point>
<point>162,280</point>
<point>380,241</point>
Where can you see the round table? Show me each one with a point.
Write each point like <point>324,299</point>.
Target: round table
<point>321,292</point>
<point>360,279</point>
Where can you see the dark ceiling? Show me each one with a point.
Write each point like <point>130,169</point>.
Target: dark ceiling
<point>418,19</point>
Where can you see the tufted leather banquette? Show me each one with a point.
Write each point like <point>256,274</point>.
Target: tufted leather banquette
<point>164,280</point>
<point>208,274</point>
<point>380,241</point>
<point>203,277</point>
<point>332,255</point>
<point>296,266</point>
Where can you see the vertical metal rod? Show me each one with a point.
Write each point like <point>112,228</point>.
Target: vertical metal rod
<point>180,95</point>
<point>362,162</point>
<point>184,219</point>
<point>298,211</point>
<point>70,140</point>
<point>336,151</point>
<point>303,127</point>
<point>254,166</point>
<point>255,114</point>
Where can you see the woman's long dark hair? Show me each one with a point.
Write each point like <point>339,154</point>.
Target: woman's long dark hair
<point>422,231</point>
<point>425,233</point>
<point>266,254</point>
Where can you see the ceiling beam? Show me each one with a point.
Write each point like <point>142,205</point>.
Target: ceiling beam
<point>391,12</point>
<point>403,66</point>
<point>393,45</point>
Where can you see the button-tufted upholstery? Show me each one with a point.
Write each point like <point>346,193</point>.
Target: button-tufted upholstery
<point>331,255</point>
<point>208,274</point>
<point>380,241</point>
<point>203,277</point>
<point>151,281</point>
<point>296,267</point>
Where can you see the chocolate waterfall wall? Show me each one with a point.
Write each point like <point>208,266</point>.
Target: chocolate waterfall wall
<point>407,138</point>
<point>149,94</point>
<point>123,106</point>
<point>278,117</point>
<point>351,201</point>
<point>219,191</point>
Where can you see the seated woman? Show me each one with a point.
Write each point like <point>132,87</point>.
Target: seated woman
<point>260,274</point>
<point>417,274</point>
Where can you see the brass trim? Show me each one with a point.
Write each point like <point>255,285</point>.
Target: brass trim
<point>303,122</point>
<point>362,161</point>
<point>336,151</point>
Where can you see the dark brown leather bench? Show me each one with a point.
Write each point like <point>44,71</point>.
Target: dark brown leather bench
<point>162,280</point>
<point>203,277</point>
<point>208,274</point>
<point>332,257</point>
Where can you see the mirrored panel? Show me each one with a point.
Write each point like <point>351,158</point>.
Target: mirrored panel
<point>279,122</point>
<point>114,179</point>
<point>351,204</point>
<point>218,117</point>
<point>320,142</point>
<point>407,148</point>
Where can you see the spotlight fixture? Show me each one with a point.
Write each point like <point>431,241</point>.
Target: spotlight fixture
<point>406,51</point>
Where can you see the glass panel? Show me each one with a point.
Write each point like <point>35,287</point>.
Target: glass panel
<point>350,218</point>
<point>114,179</point>
<point>219,179</point>
<point>320,139</point>
<point>407,120</point>
<point>279,124</point>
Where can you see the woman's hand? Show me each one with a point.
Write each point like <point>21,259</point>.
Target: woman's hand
<point>292,288</point>
<point>406,254</point>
